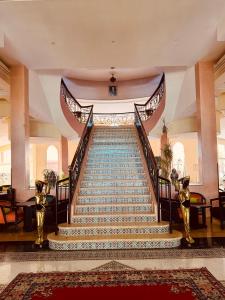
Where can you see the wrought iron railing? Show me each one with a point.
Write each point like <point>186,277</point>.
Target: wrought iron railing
<point>164,192</point>
<point>157,181</point>
<point>62,200</point>
<point>146,110</point>
<point>75,167</point>
<point>80,112</point>
<point>114,119</point>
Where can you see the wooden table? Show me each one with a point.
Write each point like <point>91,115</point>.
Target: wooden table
<point>203,208</point>
<point>28,208</point>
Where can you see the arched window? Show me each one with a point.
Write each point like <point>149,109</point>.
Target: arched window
<point>178,158</point>
<point>52,158</point>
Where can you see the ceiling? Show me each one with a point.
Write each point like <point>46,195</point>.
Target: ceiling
<point>84,39</point>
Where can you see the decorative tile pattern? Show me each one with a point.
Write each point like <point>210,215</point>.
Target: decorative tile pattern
<point>114,199</point>
<point>112,230</point>
<point>113,209</point>
<point>111,191</point>
<point>123,244</point>
<point>112,219</point>
<point>114,171</point>
<point>130,183</point>
<point>114,177</point>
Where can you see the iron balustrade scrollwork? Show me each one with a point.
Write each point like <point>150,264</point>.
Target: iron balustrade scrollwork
<point>80,112</point>
<point>146,110</point>
<point>114,119</point>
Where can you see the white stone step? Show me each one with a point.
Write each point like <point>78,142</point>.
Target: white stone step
<point>119,199</point>
<point>114,191</point>
<point>166,240</point>
<point>140,229</point>
<point>113,218</point>
<point>113,208</point>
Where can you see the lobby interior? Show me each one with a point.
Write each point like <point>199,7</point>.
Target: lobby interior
<point>86,44</point>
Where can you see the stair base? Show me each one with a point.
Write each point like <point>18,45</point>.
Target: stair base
<point>69,243</point>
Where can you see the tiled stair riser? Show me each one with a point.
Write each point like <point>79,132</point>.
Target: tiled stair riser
<point>107,191</point>
<point>113,159</point>
<point>115,165</point>
<point>78,219</point>
<point>106,171</point>
<point>113,209</point>
<point>89,245</point>
<point>114,177</point>
<point>122,183</point>
<point>91,231</point>
<point>114,199</point>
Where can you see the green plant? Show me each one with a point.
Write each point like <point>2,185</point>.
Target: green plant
<point>50,178</point>
<point>166,160</point>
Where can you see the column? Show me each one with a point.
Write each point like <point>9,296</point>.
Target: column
<point>64,154</point>
<point>206,126</point>
<point>19,130</point>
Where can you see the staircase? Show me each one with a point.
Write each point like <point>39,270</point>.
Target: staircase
<point>115,208</point>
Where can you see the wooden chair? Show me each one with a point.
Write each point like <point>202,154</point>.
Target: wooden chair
<point>218,208</point>
<point>9,213</point>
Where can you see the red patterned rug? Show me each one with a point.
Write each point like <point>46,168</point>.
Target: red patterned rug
<point>155,284</point>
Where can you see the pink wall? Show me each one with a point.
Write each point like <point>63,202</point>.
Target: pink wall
<point>206,125</point>
<point>128,89</point>
<point>74,123</point>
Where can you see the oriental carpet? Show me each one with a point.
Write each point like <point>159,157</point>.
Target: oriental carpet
<point>185,284</point>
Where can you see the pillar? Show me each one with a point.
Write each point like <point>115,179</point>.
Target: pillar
<point>64,154</point>
<point>206,126</point>
<point>19,129</point>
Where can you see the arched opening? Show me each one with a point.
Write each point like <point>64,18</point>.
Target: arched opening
<point>178,158</point>
<point>52,158</point>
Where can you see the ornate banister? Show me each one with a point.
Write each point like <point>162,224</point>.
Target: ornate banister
<point>80,112</point>
<point>147,110</point>
<point>161,185</point>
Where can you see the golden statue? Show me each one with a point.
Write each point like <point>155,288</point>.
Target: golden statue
<point>40,211</point>
<point>184,197</point>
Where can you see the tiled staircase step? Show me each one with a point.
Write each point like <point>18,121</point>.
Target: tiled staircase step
<point>113,208</point>
<point>113,159</point>
<point>114,183</point>
<point>114,191</point>
<point>119,199</point>
<point>125,241</point>
<point>114,135</point>
<point>74,230</point>
<point>107,165</point>
<point>114,143</point>
<point>114,171</point>
<point>122,147</point>
<point>115,155</point>
<point>115,218</point>
<point>114,177</point>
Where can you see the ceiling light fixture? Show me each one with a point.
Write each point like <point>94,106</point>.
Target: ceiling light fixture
<point>112,84</point>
